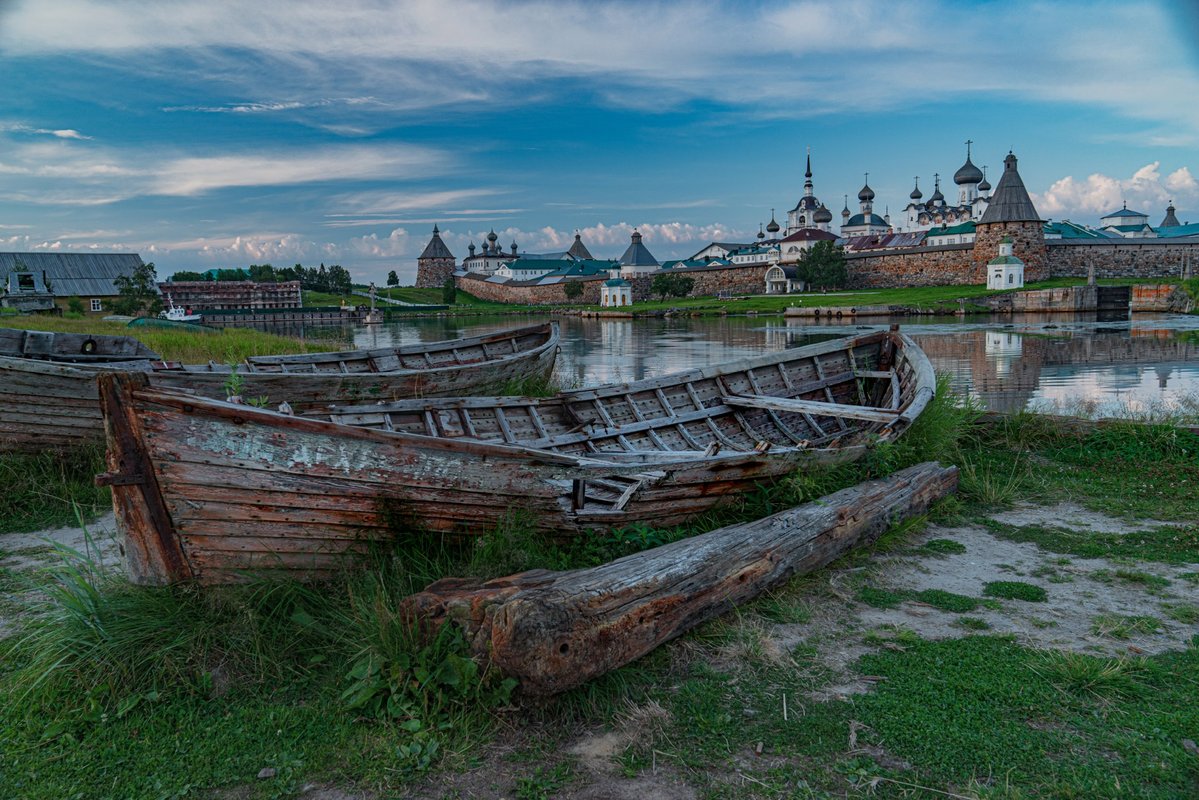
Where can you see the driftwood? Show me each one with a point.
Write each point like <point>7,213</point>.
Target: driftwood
<point>556,630</point>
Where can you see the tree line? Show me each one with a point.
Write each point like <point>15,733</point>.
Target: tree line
<point>334,279</point>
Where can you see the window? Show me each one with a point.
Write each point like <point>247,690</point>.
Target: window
<point>25,282</point>
<point>1011,278</point>
<point>97,305</point>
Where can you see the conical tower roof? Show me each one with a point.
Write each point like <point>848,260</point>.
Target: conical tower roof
<point>637,255</point>
<point>1170,221</point>
<point>1010,202</point>
<point>436,248</point>
<point>578,249</point>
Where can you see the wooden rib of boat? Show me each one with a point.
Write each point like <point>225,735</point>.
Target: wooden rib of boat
<point>44,405</point>
<point>553,631</point>
<point>80,348</point>
<point>210,490</point>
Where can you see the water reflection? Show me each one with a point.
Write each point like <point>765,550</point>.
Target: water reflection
<point>1007,363</point>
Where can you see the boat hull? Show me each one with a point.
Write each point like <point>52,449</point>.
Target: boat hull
<point>46,405</point>
<point>214,492</point>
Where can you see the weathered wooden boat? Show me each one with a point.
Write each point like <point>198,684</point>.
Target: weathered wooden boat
<point>44,405</point>
<point>210,490</point>
<point>80,348</point>
<point>553,631</point>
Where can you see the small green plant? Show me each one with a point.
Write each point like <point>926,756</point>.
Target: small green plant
<point>1186,613</point>
<point>1105,678</point>
<point>943,547</point>
<point>879,598</point>
<point>1119,626</point>
<point>973,623</point>
<point>1016,590</point>
<point>1152,583</point>
<point>1189,577</point>
<point>544,782</point>
<point>234,384</point>
<point>947,601</point>
<point>782,608</point>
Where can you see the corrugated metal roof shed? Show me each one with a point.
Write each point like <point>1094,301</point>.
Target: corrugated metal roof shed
<point>74,274</point>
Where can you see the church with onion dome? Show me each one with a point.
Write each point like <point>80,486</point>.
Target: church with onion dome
<point>974,194</point>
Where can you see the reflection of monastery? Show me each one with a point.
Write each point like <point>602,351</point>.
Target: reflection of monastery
<point>938,241</point>
<point>1005,370</point>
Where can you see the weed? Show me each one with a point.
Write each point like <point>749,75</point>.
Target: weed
<point>1105,678</point>
<point>943,547</point>
<point>783,608</point>
<point>1152,583</point>
<point>43,490</point>
<point>1189,577</point>
<point>1118,626</point>
<point>544,782</point>
<point>1016,590</point>
<point>947,601</point>
<point>991,483</point>
<point>1186,613</point>
<point>1172,545</point>
<point>973,623</point>
<point>879,598</point>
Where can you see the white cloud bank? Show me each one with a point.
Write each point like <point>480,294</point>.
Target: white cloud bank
<point>1098,194</point>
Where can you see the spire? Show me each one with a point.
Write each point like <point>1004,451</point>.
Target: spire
<point>807,184</point>
<point>808,172</point>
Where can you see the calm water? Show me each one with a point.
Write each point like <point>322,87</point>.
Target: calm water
<point>1008,363</point>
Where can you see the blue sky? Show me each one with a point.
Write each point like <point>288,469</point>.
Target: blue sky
<point>224,134</point>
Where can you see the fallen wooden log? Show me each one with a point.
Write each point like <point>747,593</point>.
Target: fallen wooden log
<point>556,630</point>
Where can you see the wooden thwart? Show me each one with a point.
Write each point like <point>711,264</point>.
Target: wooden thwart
<point>811,407</point>
<point>556,630</point>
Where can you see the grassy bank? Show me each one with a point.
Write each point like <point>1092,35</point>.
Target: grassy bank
<point>173,344</point>
<point>113,690</point>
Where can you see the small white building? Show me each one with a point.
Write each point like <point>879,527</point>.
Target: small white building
<point>616,291</point>
<point>783,280</point>
<point>1005,271</point>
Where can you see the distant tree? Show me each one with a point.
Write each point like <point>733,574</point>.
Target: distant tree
<point>823,266</point>
<point>672,284</point>
<point>290,273</point>
<point>339,280</point>
<point>75,306</point>
<point>234,274</point>
<point>186,275</point>
<point>393,279</point>
<point>449,292</point>
<point>138,292</point>
<point>263,273</point>
<point>573,290</point>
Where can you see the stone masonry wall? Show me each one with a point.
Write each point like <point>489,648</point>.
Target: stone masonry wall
<point>1166,297</point>
<point>432,272</point>
<point>549,295</point>
<point>1028,245</point>
<point>920,266</point>
<point>1123,259</point>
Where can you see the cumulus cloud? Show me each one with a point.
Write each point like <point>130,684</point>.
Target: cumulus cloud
<point>1098,194</point>
<point>397,244</point>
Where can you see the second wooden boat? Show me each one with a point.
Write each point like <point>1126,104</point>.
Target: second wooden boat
<point>46,404</point>
<point>212,491</point>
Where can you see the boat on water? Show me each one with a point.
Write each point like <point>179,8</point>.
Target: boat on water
<point>173,313</point>
<point>211,491</point>
<point>53,403</point>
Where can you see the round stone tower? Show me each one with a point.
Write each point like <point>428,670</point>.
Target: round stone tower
<point>1010,213</point>
<point>435,263</point>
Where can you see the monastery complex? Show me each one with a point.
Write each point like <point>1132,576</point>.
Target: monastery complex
<point>936,242</point>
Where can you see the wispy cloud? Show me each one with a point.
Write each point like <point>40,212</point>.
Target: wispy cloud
<point>59,133</point>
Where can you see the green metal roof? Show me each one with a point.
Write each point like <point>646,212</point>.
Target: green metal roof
<point>952,230</point>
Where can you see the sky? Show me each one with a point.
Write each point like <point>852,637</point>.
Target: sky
<point>223,134</point>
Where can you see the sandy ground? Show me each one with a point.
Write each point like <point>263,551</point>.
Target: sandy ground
<point>841,628</point>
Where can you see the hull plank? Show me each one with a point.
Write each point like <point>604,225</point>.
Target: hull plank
<point>554,631</point>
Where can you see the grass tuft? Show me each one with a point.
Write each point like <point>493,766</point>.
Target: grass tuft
<point>1119,626</point>
<point>43,490</point>
<point>947,601</point>
<point>943,547</point>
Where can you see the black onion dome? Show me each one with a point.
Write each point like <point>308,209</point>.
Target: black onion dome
<point>916,193</point>
<point>772,226</point>
<point>968,173</point>
<point>492,237</point>
<point>823,214</point>
<point>866,194</point>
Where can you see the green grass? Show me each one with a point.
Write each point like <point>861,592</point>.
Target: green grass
<point>225,346</point>
<point>947,601</point>
<point>942,547</point>
<point>880,598</point>
<point>1015,590</point>
<point>973,623</point>
<point>1152,583</point>
<point>1120,626</point>
<point>44,490</point>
